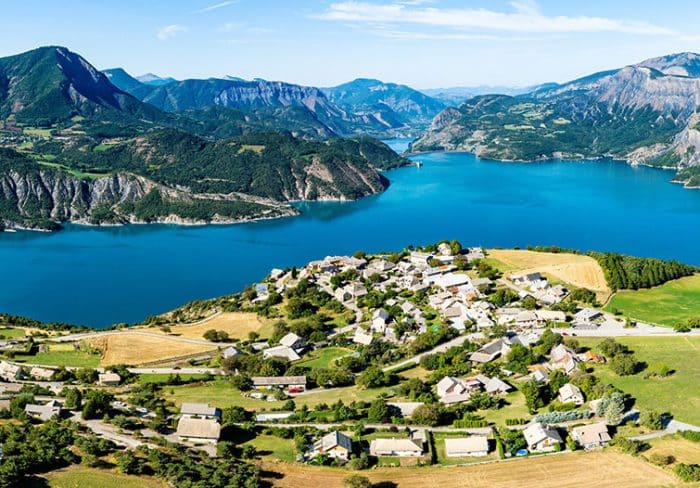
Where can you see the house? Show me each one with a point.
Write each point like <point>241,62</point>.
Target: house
<point>281,352</point>
<point>357,290</point>
<point>272,416</point>
<point>492,350</point>
<point>476,445</point>
<point>550,316</point>
<point>541,438</point>
<point>571,394</point>
<point>260,346</point>
<point>230,352</point>
<point>527,318</point>
<point>591,436</point>
<point>533,280</point>
<point>563,358</point>
<point>9,371</point>
<point>363,337</point>
<point>420,259</point>
<point>379,320</point>
<point>335,445</point>
<point>495,386</point>
<point>294,342</point>
<point>587,315</point>
<point>403,447</point>
<point>591,357</point>
<point>342,295</point>
<point>41,374</point>
<point>452,390</point>
<point>44,412</point>
<point>294,384</point>
<point>540,376</point>
<point>198,430</point>
<point>109,379</point>
<point>9,388</point>
<point>199,410</point>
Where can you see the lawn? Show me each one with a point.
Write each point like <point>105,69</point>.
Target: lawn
<point>162,378</point>
<point>79,476</point>
<point>62,355</point>
<point>515,409</point>
<point>11,332</point>
<point>275,447</point>
<point>677,393</point>
<point>324,358</point>
<point>221,394</point>
<point>447,461</point>
<point>667,304</point>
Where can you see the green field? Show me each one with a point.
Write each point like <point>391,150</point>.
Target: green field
<point>62,355</point>
<point>11,332</point>
<point>275,447</point>
<point>79,476</point>
<point>678,393</point>
<point>162,378</point>
<point>516,409</point>
<point>221,394</point>
<point>667,304</point>
<point>324,358</point>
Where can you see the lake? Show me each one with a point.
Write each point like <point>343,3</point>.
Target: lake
<point>101,276</point>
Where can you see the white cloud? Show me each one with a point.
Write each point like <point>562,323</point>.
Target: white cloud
<point>170,31</point>
<point>215,6</point>
<point>525,17</point>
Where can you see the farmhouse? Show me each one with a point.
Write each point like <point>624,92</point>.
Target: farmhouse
<point>491,351</point>
<point>41,374</point>
<point>475,445</point>
<point>541,438</point>
<point>335,445</point>
<point>363,337</point>
<point>44,412</point>
<point>587,315</point>
<point>281,352</point>
<point>396,447</point>
<point>108,379</point>
<point>230,352</point>
<point>199,410</point>
<point>590,436</point>
<point>198,430</point>
<point>294,342</point>
<point>9,371</point>
<point>453,390</point>
<point>293,384</point>
<point>563,358</point>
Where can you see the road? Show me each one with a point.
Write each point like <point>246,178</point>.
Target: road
<point>671,428</point>
<point>457,341</point>
<point>173,370</point>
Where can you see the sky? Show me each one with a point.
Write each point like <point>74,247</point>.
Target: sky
<point>421,43</point>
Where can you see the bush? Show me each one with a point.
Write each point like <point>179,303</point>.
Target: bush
<point>357,481</point>
<point>687,472</point>
<point>690,435</point>
<point>630,446</point>
<point>661,459</point>
<point>556,417</point>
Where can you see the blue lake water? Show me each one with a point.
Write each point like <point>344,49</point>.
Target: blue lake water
<point>100,276</point>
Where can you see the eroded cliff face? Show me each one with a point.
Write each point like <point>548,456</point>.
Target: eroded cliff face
<point>44,197</point>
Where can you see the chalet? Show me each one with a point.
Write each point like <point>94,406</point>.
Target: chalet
<point>413,446</point>
<point>540,376</point>
<point>495,386</point>
<point>41,374</point>
<point>108,379</point>
<point>335,445</point>
<point>490,351</point>
<point>294,384</point>
<point>283,352</point>
<point>9,371</point>
<point>531,280</point>
<point>294,342</point>
<point>541,438</point>
<point>571,394</point>
<point>563,358</point>
<point>591,436</point>
<point>44,412</point>
<point>550,316</point>
<point>379,319</point>
<point>260,346</point>
<point>527,318</point>
<point>198,430</point>
<point>199,410</point>
<point>472,446</point>
<point>453,390</point>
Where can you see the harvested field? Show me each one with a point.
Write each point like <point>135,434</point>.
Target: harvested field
<point>592,469</point>
<point>135,349</point>
<point>236,324</point>
<point>577,270</point>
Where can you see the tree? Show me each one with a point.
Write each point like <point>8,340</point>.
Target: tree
<point>651,419</point>
<point>242,382</point>
<point>534,398</point>
<point>373,377</point>
<point>128,463</point>
<point>378,411</point>
<point>357,481</point>
<point>427,414</point>
<point>235,415</point>
<point>612,407</point>
<point>624,364</point>
<point>74,399</point>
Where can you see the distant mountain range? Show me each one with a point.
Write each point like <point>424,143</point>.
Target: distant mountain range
<point>74,146</point>
<point>644,113</point>
<point>457,95</point>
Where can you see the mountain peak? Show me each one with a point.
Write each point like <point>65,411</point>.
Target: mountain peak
<point>678,64</point>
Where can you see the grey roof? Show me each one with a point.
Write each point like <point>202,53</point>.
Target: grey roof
<point>278,380</point>
<point>203,409</point>
<point>198,428</point>
<point>333,439</point>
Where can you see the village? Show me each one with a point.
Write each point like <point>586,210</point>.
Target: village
<point>474,342</point>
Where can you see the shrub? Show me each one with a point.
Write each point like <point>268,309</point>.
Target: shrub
<point>687,472</point>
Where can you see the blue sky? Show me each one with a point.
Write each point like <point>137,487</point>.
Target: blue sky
<point>423,43</point>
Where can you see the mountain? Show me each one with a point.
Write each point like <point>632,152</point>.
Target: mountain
<point>455,96</point>
<point>395,104</point>
<point>75,147</point>
<point>264,100</point>
<point>644,113</point>
<point>154,80</point>
<point>53,85</point>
